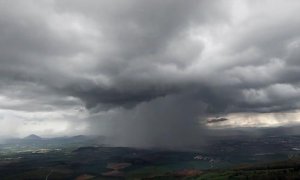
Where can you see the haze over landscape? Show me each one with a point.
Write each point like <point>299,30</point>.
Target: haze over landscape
<point>148,73</point>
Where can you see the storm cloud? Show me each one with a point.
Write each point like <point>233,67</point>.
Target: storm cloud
<point>146,73</point>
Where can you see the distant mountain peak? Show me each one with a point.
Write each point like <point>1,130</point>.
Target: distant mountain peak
<point>33,136</point>
<point>79,137</point>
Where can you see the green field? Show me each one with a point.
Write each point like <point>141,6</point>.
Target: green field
<point>84,158</point>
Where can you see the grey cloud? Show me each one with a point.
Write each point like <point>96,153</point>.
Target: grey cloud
<point>159,66</point>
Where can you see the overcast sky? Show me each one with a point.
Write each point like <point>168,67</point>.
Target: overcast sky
<point>147,72</point>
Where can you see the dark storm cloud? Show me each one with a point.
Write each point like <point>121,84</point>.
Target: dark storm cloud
<point>153,66</point>
<point>136,42</point>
